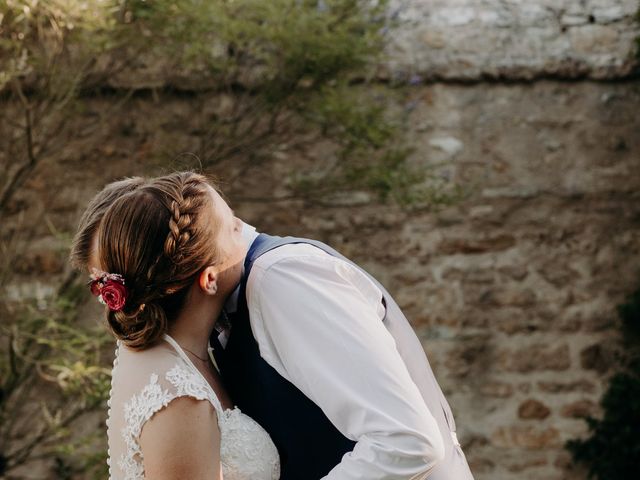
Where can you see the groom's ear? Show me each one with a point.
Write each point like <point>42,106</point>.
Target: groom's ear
<point>208,280</point>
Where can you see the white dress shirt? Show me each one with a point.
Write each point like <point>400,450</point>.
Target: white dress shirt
<point>318,322</point>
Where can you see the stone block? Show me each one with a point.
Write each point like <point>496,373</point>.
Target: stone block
<point>579,409</point>
<point>450,246</point>
<point>529,437</point>
<point>585,386</point>
<point>497,389</point>
<point>533,409</point>
<point>524,463</point>
<point>539,357</point>
<point>593,39</point>
<point>596,357</point>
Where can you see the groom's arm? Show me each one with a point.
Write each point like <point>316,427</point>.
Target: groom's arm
<point>318,322</point>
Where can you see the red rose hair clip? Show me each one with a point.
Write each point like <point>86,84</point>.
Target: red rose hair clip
<point>109,288</point>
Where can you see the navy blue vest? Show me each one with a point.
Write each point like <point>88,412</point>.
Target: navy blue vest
<point>308,443</point>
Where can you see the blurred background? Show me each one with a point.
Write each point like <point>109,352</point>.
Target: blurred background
<point>479,157</point>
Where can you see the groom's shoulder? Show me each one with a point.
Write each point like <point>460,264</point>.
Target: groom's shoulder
<point>290,254</point>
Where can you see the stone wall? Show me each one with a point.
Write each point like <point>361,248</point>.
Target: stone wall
<point>513,39</point>
<point>513,290</point>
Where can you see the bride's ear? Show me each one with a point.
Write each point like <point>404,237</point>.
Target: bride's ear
<point>208,280</point>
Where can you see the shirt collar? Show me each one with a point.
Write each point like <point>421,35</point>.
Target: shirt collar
<point>249,234</point>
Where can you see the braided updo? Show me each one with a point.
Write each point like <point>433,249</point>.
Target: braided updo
<point>158,237</point>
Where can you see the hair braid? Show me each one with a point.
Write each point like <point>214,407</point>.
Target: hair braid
<point>159,238</point>
<point>183,211</point>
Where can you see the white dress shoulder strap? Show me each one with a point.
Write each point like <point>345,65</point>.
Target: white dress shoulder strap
<point>145,382</point>
<point>216,401</point>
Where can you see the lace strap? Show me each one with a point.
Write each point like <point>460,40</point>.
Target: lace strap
<point>212,395</point>
<point>151,399</point>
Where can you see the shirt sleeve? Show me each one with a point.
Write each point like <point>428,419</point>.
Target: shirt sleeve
<point>317,322</point>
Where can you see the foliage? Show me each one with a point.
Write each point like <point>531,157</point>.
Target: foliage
<point>39,40</point>
<point>611,451</point>
<point>52,373</point>
<point>290,63</point>
<point>48,49</point>
<point>294,72</point>
<point>284,64</point>
<point>285,40</point>
<point>373,151</point>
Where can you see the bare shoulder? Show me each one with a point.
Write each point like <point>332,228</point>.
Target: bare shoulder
<point>182,440</point>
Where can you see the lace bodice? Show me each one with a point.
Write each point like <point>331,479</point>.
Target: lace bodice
<point>145,382</point>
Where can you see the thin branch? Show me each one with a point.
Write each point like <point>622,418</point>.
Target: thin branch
<point>24,453</point>
<point>22,173</point>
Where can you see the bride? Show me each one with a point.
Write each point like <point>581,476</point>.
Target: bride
<point>169,253</point>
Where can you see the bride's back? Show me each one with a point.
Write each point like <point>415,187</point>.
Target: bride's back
<point>144,382</point>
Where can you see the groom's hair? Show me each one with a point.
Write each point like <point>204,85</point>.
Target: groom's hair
<point>92,216</point>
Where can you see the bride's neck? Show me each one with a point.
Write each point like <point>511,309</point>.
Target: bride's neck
<point>193,326</point>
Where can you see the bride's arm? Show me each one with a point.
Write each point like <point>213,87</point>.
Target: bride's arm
<point>182,441</point>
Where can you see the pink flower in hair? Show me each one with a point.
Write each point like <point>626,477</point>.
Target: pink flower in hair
<point>109,288</point>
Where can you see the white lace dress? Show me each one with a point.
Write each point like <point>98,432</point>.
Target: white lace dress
<point>145,382</point>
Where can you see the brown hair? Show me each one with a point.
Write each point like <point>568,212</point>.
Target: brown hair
<point>92,216</point>
<point>159,239</point>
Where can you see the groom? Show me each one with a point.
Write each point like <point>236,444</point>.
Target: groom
<point>315,350</point>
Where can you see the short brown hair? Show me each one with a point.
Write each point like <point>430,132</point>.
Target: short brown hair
<point>92,216</point>
<point>158,238</point>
